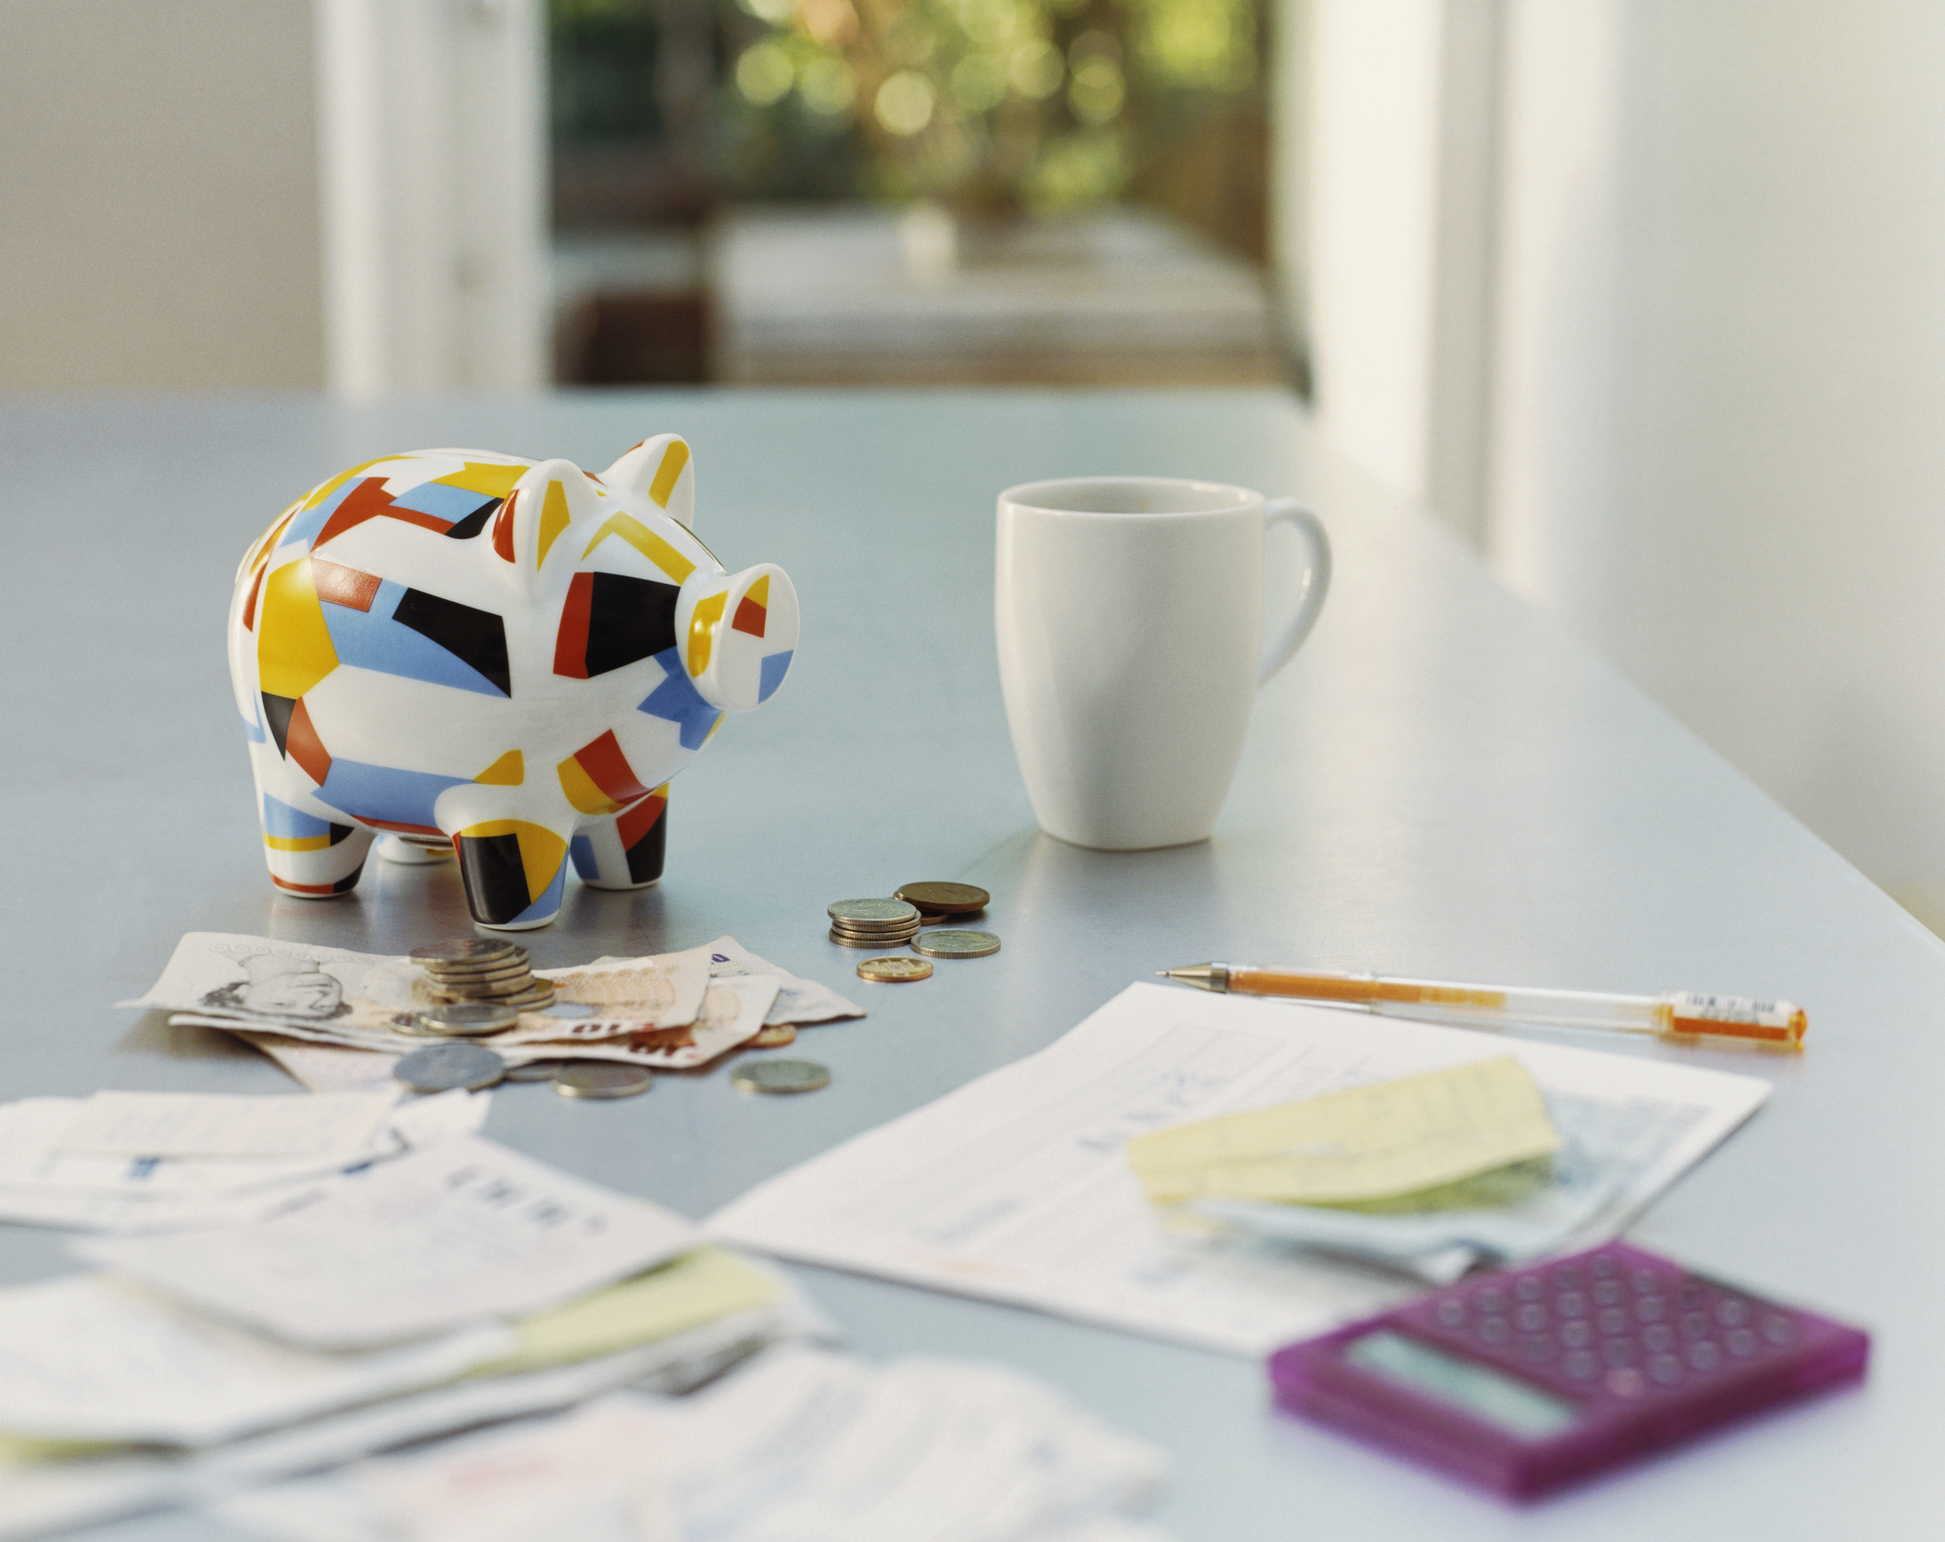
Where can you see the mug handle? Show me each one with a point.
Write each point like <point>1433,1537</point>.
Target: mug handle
<point>1316,583</point>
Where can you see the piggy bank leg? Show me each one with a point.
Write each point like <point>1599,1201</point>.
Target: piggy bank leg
<point>624,851</point>
<point>412,850</point>
<point>513,871</point>
<point>310,856</point>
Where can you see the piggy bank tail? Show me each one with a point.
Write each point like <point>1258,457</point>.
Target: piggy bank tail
<point>738,633</point>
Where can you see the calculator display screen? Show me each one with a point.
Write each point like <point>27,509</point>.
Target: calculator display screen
<point>1464,1385</point>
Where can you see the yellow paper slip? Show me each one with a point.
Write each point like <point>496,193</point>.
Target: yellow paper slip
<point>1361,1144</point>
<point>685,1293</point>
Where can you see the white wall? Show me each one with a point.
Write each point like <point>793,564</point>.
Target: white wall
<point>1715,365</point>
<point>158,173</point>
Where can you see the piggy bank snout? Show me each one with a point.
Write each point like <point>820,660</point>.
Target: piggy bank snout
<point>737,633</point>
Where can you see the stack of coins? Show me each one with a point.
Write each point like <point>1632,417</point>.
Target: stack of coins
<point>940,901</point>
<point>873,923</point>
<point>483,969</point>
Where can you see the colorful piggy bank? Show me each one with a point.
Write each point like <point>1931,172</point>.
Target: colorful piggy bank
<point>503,658</point>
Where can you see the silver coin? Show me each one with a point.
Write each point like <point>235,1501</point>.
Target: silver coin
<point>897,924</point>
<point>846,940</point>
<point>895,934</point>
<point>442,1067</point>
<point>467,1018</point>
<point>514,969</point>
<point>780,1076</point>
<point>489,990</point>
<point>537,1070</point>
<point>602,1079</point>
<point>463,950</point>
<point>952,942</point>
<point>882,911</point>
<point>542,995</point>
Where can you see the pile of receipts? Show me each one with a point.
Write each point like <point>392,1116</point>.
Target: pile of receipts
<point>338,1020</point>
<point>453,1284</point>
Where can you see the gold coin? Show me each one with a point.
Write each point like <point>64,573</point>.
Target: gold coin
<point>945,899</point>
<point>774,1036</point>
<point>894,969</point>
<point>602,1079</point>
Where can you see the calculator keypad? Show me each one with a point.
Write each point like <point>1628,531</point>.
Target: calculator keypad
<point>1606,1323</point>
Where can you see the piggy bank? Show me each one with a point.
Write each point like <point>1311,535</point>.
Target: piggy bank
<point>497,657</point>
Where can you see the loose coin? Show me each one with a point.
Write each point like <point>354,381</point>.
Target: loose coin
<point>944,899</point>
<point>780,1076</point>
<point>537,1070</point>
<point>463,950</point>
<point>883,912</point>
<point>467,1018</point>
<point>894,969</point>
<point>442,1067</point>
<point>951,942</point>
<point>774,1036</point>
<point>602,1079</point>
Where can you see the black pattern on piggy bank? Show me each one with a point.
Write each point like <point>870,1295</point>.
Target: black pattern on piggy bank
<point>502,657</point>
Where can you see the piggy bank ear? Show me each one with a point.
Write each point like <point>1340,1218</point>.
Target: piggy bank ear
<point>544,502</point>
<point>737,633</point>
<point>659,470</point>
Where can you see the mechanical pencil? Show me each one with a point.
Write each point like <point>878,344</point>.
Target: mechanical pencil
<point>1677,1015</point>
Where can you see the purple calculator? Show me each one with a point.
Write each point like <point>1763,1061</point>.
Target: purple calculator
<point>1529,1378</point>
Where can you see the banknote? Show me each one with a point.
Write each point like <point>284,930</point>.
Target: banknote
<point>798,1000</point>
<point>731,1013</point>
<point>336,996</point>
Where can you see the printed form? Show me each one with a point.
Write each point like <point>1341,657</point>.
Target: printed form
<point>1017,1187</point>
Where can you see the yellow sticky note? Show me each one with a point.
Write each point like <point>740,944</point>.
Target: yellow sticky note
<point>1364,1143</point>
<point>685,1293</point>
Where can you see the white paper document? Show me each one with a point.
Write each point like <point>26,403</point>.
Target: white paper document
<point>464,1232</point>
<point>798,1446</point>
<point>45,1181</point>
<point>1016,1186</point>
<point>187,1124</point>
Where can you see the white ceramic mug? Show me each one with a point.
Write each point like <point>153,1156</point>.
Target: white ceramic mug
<point>1130,622</point>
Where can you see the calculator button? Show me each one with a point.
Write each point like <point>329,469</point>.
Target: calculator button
<point>1619,1352</point>
<point>1529,1288</point>
<point>1625,1383</point>
<point>1580,1365</point>
<point>1532,1317</point>
<point>1695,1325</point>
<point>1576,1334</point>
<point>1450,1313</point>
<point>1607,1292</point>
<point>1650,1309</point>
<point>1665,1369</point>
<point>1704,1356</point>
<point>1494,1330</point>
<point>1778,1329</point>
<point>1732,1313</point>
<point>1613,1320</point>
<point>1739,1342</point>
